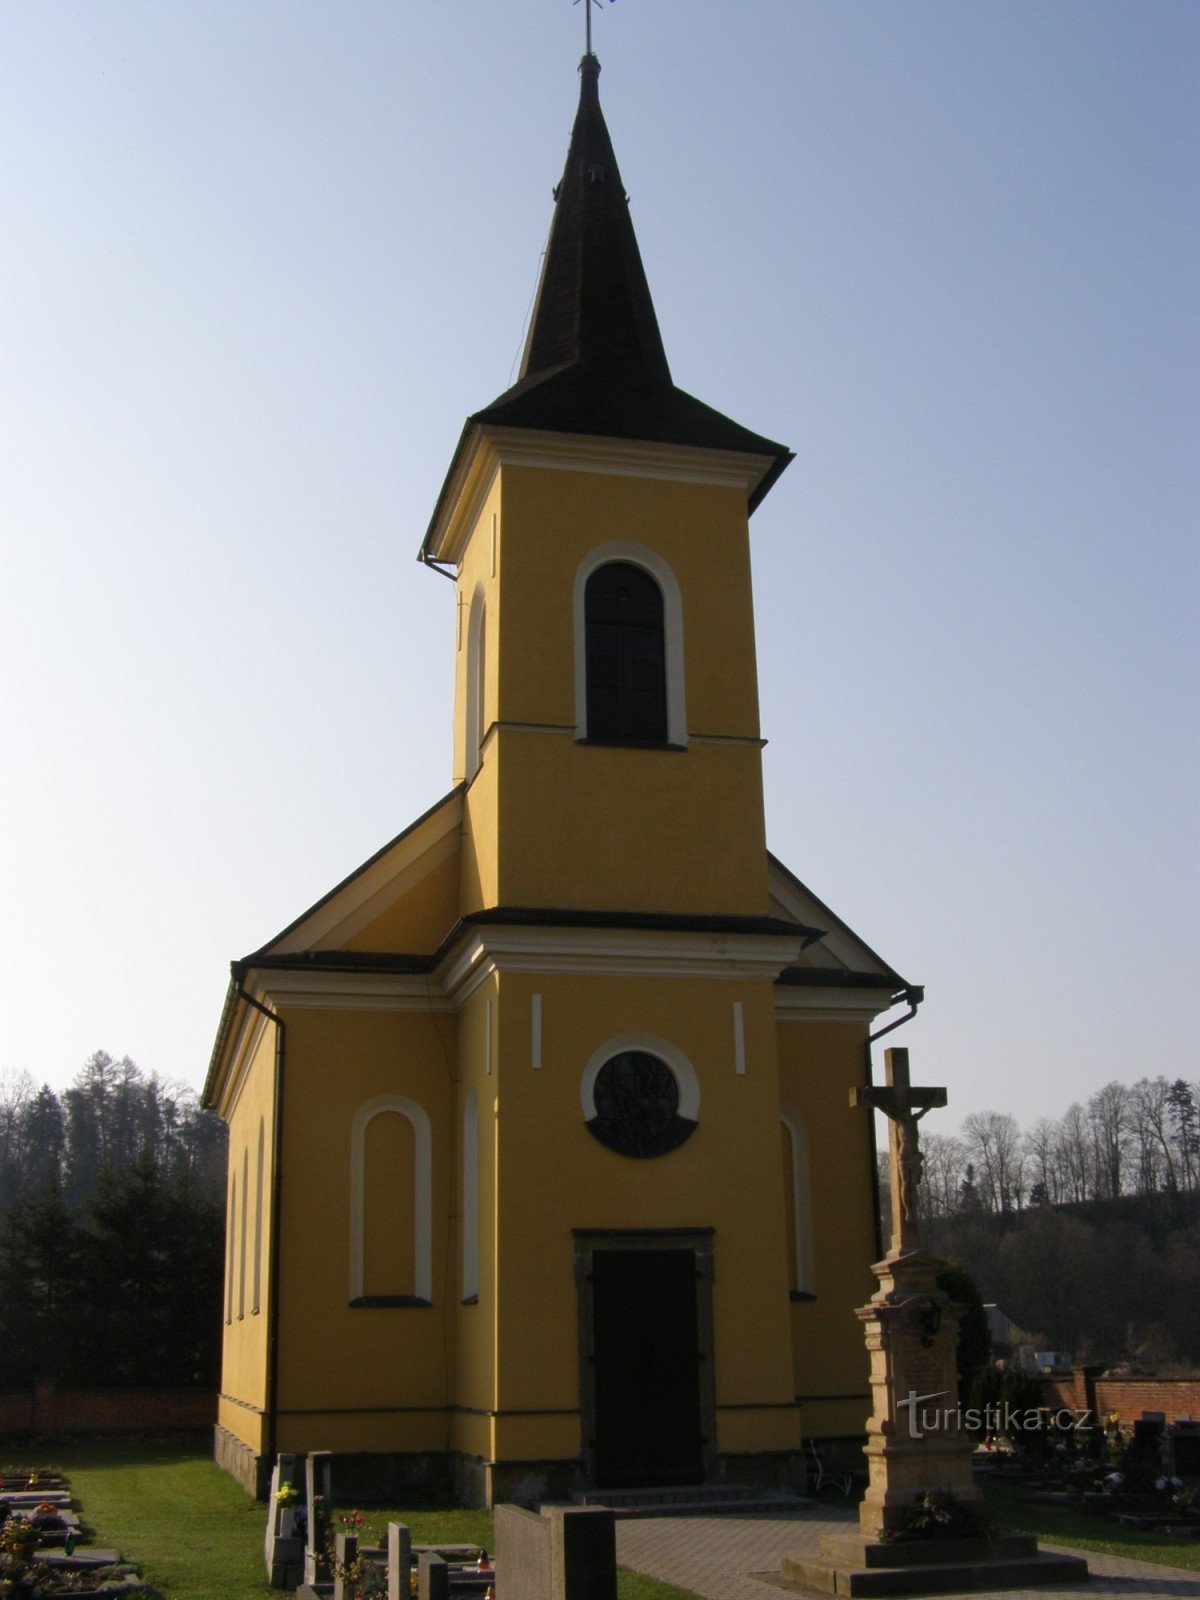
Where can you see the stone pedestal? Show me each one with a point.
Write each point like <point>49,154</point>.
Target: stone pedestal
<point>916,1447</point>
<point>915,1441</point>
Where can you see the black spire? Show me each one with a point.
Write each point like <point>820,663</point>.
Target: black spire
<point>594,361</point>
<point>593,303</point>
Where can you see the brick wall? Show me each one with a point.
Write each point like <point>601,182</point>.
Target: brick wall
<point>1129,1397</point>
<point>1175,1397</point>
<point>47,1410</point>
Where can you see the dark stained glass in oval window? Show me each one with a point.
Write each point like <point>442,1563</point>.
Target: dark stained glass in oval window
<point>637,1106</point>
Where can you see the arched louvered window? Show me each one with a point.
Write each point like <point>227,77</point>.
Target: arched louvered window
<point>625,650</point>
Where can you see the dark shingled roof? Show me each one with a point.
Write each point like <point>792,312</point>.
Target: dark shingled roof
<point>594,360</point>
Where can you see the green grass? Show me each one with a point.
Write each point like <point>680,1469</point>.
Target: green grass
<point>1084,1529</point>
<point>168,1508</point>
<point>196,1534</point>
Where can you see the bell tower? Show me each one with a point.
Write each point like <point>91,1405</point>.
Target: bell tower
<point>596,518</point>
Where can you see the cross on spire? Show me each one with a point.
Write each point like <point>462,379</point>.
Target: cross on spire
<point>587,11</point>
<point>904,1107</point>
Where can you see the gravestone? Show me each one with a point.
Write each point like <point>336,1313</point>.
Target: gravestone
<point>283,1547</point>
<point>318,1499</point>
<point>433,1576</point>
<point>563,1553</point>
<point>1185,1448</point>
<point>399,1561</point>
<point>345,1555</point>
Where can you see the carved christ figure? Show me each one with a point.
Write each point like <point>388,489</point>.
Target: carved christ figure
<point>904,1107</point>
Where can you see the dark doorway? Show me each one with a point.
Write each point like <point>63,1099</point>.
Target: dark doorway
<point>646,1352</point>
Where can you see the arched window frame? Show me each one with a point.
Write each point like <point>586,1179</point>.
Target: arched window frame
<point>638,555</point>
<point>422,1199</point>
<point>476,686</point>
<point>685,1073</point>
<point>231,1265</point>
<point>260,1171</point>
<point>470,1199</point>
<point>800,1201</point>
<point>241,1311</point>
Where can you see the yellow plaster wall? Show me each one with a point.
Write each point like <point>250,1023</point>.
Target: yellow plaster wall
<point>556,517</point>
<point>631,830</point>
<point>475,572</point>
<point>554,1176</point>
<point>819,1062</point>
<point>475,1384</point>
<point>421,918</point>
<point>478,861</point>
<point>245,1344</point>
<point>332,1357</point>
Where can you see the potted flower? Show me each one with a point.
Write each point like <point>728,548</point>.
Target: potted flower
<point>19,1538</point>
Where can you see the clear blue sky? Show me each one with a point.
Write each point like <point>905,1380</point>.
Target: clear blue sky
<point>259,262</point>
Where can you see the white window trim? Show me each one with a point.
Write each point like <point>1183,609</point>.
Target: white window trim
<point>422,1191</point>
<point>801,1199</point>
<point>241,1311</point>
<point>232,1263</point>
<point>476,684</point>
<point>260,1168</point>
<point>638,555</point>
<point>470,1264</point>
<point>685,1073</point>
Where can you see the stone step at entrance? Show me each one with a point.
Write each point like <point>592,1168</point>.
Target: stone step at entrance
<point>691,1500</point>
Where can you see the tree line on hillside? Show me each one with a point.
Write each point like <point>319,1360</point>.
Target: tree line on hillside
<point>112,1204</point>
<point>1085,1230</point>
<point>1139,1140</point>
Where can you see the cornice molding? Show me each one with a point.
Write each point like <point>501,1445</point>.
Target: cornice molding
<point>311,989</point>
<point>611,952</point>
<point>832,1004</point>
<point>491,448</point>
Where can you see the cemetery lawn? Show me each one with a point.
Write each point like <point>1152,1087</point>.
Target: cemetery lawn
<point>195,1533</point>
<point>168,1508</point>
<point>1085,1530</point>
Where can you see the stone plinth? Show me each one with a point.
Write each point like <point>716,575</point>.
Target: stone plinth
<point>850,1566</point>
<point>915,1440</point>
<point>915,1447</point>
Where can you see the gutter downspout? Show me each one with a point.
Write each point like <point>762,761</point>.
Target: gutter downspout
<point>438,567</point>
<point>276,1195</point>
<point>914,994</point>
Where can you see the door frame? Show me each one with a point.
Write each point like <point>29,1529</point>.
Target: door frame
<point>700,1242</point>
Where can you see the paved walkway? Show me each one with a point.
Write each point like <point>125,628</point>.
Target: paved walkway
<point>717,1556</point>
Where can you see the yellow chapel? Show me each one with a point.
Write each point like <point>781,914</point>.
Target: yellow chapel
<point>542,1174</point>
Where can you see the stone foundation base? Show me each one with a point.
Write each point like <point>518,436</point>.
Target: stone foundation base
<point>382,1478</point>
<point>236,1458</point>
<point>850,1565</point>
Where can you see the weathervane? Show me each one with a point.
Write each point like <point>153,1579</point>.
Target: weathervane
<point>587,11</point>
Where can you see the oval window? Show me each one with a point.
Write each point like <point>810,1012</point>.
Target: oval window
<point>636,1096</point>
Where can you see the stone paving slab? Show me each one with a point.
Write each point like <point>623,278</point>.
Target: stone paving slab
<point>717,1557</point>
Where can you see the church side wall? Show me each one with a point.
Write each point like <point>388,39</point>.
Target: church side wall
<point>371,1377</point>
<point>245,1288</point>
<point>819,1063</point>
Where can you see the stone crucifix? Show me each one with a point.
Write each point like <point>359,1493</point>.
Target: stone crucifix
<point>904,1107</point>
